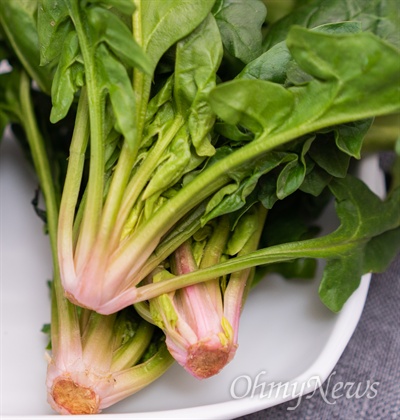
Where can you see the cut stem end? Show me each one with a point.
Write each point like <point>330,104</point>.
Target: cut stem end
<point>75,398</point>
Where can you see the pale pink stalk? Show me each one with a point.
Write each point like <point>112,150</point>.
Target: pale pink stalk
<point>198,335</point>
<point>100,366</point>
<point>201,322</point>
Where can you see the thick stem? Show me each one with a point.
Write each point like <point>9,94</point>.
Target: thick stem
<point>94,200</point>
<point>71,189</point>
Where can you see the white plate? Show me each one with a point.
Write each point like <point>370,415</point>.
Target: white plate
<point>286,333</point>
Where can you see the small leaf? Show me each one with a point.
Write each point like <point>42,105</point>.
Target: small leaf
<point>54,24</point>
<point>68,77</point>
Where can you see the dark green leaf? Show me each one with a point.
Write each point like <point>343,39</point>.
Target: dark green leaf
<point>325,153</point>
<point>378,16</point>
<point>240,23</point>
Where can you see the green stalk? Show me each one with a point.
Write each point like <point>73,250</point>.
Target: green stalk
<point>126,160</point>
<point>131,380</point>
<point>65,325</point>
<point>205,184</point>
<point>130,353</point>
<point>72,184</point>
<point>141,177</point>
<point>279,253</point>
<point>94,202</point>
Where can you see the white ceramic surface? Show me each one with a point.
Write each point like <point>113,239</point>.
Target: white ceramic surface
<point>286,333</point>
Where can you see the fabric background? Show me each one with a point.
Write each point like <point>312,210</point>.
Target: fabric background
<point>373,354</point>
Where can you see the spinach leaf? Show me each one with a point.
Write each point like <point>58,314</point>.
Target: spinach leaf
<point>380,17</point>
<point>18,21</point>
<point>240,23</point>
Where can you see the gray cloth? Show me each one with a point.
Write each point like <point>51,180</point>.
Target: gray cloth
<point>372,356</point>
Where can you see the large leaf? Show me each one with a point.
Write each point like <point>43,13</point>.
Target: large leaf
<point>380,17</point>
<point>240,23</point>
<point>343,67</point>
<point>164,22</point>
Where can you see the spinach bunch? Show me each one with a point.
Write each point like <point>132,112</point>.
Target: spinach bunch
<point>190,124</point>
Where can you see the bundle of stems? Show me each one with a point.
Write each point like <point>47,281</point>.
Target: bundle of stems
<point>196,138</point>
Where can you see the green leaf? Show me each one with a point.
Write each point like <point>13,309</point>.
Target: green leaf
<point>315,181</point>
<point>125,6</point>
<point>176,158</point>
<point>343,68</point>
<point>10,107</point>
<point>115,80</point>
<point>326,154</point>
<point>54,24</point>
<point>18,20</point>
<point>277,64</point>
<point>340,279</point>
<point>164,22</point>
<point>349,137</point>
<point>378,16</point>
<point>381,250</point>
<point>197,60</point>
<point>240,23</point>
<point>111,30</point>
<point>68,77</point>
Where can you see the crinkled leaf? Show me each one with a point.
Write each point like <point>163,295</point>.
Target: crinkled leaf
<point>378,16</point>
<point>234,196</point>
<point>293,174</point>
<point>315,181</point>
<point>197,60</point>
